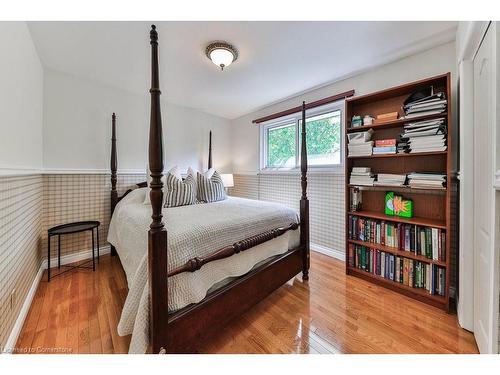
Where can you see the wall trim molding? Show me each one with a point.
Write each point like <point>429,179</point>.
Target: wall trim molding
<point>18,325</point>
<point>77,257</point>
<point>90,171</point>
<point>66,259</point>
<point>19,172</point>
<point>295,172</point>
<point>334,253</point>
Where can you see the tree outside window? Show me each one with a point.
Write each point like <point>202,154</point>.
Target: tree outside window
<point>324,133</point>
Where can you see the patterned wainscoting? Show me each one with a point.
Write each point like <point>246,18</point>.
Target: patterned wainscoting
<point>77,197</point>
<point>29,205</point>
<point>326,201</point>
<point>20,228</point>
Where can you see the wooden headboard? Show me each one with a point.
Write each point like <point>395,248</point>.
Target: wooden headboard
<point>114,166</point>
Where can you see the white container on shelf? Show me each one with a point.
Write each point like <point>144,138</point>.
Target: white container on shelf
<point>360,137</point>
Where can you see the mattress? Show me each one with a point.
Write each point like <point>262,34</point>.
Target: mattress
<point>195,230</point>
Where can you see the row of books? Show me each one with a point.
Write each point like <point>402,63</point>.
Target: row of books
<point>363,176</point>
<point>419,240</point>
<point>409,272</point>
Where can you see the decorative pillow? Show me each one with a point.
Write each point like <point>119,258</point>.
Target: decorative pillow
<point>178,192</point>
<point>210,189</point>
<point>174,171</point>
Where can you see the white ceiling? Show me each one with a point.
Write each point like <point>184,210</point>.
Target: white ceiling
<point>277,59</point>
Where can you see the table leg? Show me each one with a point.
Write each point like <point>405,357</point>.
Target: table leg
<point>97,229</point>
<point>59,251</point>
<point>93,258</point>
<point>48,259</point>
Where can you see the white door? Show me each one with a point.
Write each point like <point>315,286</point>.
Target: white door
<point>484,265</point>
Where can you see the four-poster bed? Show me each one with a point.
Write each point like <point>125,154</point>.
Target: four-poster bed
<point>178,331</point>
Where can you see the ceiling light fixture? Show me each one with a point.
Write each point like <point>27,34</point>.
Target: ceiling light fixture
<point>221,53</point>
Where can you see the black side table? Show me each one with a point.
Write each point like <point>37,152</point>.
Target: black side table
<point>77,227</point>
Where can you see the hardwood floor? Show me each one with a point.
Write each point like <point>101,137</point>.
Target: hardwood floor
<point>332,313</point>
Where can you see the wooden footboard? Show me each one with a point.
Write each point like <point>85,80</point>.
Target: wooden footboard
<point>188,327</point>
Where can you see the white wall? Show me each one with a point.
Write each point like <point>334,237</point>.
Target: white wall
<point>21,97</point>
<point>245,134</point>
<point>77,128</point>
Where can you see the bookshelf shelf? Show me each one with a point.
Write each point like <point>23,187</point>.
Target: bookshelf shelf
<point>401,253</point>
<point>394,123</point>
<point>403,155</point>
<point>401,188</point>
<point>426,222</point>
<point>432,207</point>
<point>417,293</point>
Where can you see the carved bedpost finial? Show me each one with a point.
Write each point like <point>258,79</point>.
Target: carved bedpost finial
<point>155,137</point>
<point>153,35</point>
<point>210,150</point>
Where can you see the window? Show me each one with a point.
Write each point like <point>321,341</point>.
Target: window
<point>281,139</point>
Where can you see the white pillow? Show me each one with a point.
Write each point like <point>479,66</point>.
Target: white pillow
<point>174,171</point>
<point>208,174</point>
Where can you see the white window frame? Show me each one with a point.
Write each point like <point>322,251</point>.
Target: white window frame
<point>295,118</point>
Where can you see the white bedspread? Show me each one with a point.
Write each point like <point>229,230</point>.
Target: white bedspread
<point>194,230</point>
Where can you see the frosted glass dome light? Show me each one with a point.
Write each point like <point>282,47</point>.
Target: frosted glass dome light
<point>221,54</point>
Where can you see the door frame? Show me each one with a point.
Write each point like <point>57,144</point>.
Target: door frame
<point>469,38</point>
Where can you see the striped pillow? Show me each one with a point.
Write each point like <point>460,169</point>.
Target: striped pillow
<point>178,192</point>
<point>210,189</point>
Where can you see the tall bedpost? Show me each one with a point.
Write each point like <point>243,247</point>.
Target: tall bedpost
<point>114,166</point>
<point>304,202</point>
<point>210,150</point>
<point>157,235</point>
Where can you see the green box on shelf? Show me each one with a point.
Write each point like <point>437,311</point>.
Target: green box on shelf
<point>389,203</point>
<point>396,205</point>
<point>405,207</point>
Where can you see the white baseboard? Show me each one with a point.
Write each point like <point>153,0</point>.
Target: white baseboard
<point>72,258</point>
<point>334,253</point>
<point>18,325</point>
<point>66,259</point>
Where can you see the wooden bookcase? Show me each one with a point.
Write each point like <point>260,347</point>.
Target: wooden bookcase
<point>432,208</point>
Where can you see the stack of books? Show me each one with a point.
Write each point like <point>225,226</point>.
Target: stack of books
<point>360,149</point>
<point>425,136</point>
<point>361,176</point>
<point>429,105</point>
<point>384,147</point>
<point>426,180</point>
<point>389,179</point>
<point>402,147</point>
<point>360,144</point>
